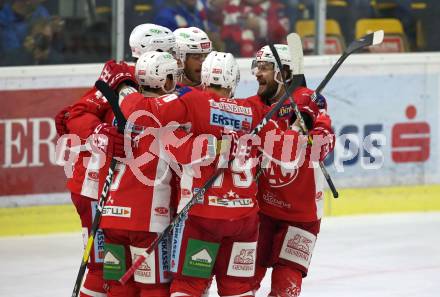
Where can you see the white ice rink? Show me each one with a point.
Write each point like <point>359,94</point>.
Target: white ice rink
<point>377,256</point>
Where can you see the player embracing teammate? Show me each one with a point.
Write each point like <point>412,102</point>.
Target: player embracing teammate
<point>201,248</point>
<point>223,234</point>
<point>89,121</point>
<point>290,200</point>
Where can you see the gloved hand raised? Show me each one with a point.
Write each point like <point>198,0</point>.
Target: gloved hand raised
<point>106,138</point>
<point>60,121</point>
<point>114,74</point>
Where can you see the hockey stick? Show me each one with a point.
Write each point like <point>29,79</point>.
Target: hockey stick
<point>109,93</point>
<point>368,40</point>
<point>102,199</point>
<point>294,48</point>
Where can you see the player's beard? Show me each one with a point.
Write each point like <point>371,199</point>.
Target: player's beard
<point>267,92</point>
<point>193,76</point>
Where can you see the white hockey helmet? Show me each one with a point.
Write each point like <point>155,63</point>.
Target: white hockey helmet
<point>153,68</point>
<point>221,69</point>
<point>266,55</point>
<point>150,37</point>
<point>191,40</point>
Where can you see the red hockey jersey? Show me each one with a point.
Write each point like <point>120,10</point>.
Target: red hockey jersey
<point>141,192</point>
<point>233,195</point>
<point>295,195</point>
<point>90,111</point>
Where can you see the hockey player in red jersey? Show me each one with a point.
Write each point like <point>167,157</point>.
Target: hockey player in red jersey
<point>291,200</point>
<point>87,117</point>
<point>200,248</point>
<point>139,201</point>
<point>83,184</point>
<point>192,47</point>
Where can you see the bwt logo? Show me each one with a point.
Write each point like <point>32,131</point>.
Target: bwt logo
<point>410,143</point>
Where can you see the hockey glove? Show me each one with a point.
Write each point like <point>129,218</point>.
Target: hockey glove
<point>323,135</point>
<point>114,74</point>
<point>106,138</point>
<point>60,121</point>
<point>308,108</point>
<point>321,102</point>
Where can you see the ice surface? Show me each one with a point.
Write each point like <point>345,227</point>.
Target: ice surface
<point>380,256</point>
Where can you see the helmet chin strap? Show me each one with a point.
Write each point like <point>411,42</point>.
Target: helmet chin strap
<point>183,76</point>
<point>278,92</point>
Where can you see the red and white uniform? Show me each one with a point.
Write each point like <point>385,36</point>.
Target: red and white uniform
<point>293,195</point>
<point>231,202</point>
<point>208,113</point>
<point>135,211</point>
<point>291,203</point>
<point>139,203</point>
<point>90,111</point>
<point>85,115</point>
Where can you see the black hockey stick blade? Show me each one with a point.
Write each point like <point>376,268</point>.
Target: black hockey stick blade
<point>113,100</point>
<point>367,40</point>
<point>295,107</point>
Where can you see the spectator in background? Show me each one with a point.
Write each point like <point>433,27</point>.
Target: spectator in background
<point>250,24</point>
<point>212,16</point>
<point>97,43</point>
<point>400,10</point>
<point>15,18</point>
<point>37,47</point>
<point>184,13</point>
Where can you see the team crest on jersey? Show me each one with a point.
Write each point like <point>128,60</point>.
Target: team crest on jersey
<point>231,116</point>
<point>278,176</point>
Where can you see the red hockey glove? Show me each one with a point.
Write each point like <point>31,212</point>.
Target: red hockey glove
<point>116,73</point>
<point>308,109</point>
<point>107,139</point>
<point>60,121</point>
<point>323,135</point>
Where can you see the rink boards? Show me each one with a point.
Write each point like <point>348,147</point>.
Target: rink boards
<point>385,111</point>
